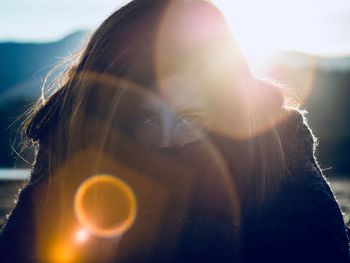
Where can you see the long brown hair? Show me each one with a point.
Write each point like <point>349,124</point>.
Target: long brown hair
<point>134,47</point>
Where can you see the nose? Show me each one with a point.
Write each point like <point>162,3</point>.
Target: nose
<point>167,135</point>
<point>166,138</point>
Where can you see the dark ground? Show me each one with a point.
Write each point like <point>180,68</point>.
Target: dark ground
<point>9,190</point>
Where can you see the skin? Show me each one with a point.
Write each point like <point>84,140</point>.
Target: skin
<point>173,119</point>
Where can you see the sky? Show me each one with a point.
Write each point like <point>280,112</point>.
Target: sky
<point>320,27</point>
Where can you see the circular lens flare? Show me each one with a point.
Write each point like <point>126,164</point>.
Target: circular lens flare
<point>105,205</point>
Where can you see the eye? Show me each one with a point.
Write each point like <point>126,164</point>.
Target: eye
<point>144,118</point>
<point>190,119</point>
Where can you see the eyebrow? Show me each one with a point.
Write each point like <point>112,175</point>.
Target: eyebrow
<point>146,111</point>
<point>192,110</point>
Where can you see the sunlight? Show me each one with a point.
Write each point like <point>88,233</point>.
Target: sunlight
<point>262,27</point>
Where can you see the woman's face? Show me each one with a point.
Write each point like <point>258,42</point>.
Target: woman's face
<point>175,117</point>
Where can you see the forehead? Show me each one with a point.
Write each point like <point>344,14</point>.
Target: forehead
<point>182,91</point>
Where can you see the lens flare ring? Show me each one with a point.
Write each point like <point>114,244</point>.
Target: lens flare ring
<point>121,189</point>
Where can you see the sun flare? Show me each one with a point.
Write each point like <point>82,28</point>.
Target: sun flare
<point>263,27</point>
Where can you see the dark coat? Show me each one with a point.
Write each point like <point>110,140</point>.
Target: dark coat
<point>302,222</point>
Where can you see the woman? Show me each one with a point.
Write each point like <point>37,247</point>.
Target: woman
<point>162,99</point>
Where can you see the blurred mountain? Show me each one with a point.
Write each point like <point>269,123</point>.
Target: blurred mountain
<point>303,60</point>
<point>23,66</point>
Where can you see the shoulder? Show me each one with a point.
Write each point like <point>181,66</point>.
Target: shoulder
<point>303,219</point>
<point>299,145</point>
<point>305,182</point>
